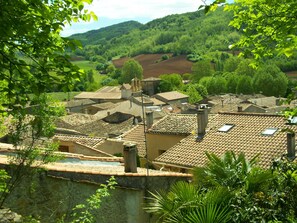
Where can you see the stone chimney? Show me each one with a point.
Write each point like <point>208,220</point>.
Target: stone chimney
<point>130,161</point>
<point>239,108</point>
<point>291,145</point>
<point>202,120</point>
<point>149,119</point>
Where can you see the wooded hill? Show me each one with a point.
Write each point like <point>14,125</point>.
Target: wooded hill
<point>189,33</point>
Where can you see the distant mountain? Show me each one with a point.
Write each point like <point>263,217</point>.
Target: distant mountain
<point>181,34</point>
<point>94,37</point>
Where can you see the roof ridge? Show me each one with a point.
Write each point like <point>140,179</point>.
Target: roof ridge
<point>79,136</point>
<point>249,114</point>
<point>95,149</point>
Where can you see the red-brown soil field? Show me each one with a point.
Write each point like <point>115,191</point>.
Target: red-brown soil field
<point>292,74</point>
<point>154,67</point>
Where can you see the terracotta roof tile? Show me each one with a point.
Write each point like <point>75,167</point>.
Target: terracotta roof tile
<point>172,95</point>
<point>246,136</point>
<point>83,140</point>
<point>177,124</point>
<point>137,135</point>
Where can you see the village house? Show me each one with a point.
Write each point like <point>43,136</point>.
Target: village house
<point>93,109</point>
<point>78,106</point>
<point>105,94</point>
<point>249,133</point>
<point>172,97</point>
<point>167,132</point>
<point>150,85</point>
<point>245,103</point>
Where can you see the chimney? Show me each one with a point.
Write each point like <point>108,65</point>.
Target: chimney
<point>291,145</point>
<point>130,161</point>
<point>239,109</point>
<point>202,120</point>
<point>149,119</point>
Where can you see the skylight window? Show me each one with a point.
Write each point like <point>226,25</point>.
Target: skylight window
<point>293,120</point>
<point>269,131</point>
<point>226,128</point>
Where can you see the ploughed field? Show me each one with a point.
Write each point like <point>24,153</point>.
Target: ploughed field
<point>292,74</point>
<point>154,66</point>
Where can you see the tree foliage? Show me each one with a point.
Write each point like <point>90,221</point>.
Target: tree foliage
<point>170,82</point>
<point>272,19</point>
<point>201,69</point>
<point>131,69</point>
<point>268,26</point>
<point>270,80</point>
<point>231,189</point>
<point>32,60</point>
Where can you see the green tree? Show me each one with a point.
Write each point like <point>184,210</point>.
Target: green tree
<point>170,82</point>
<point>186,202</point>
<point>232,81</point>
<point>270,80</point>
<point>130,70</point>
<point>272,19</point>
<point>194,95</point>
<point>245,68</point>
<point>231,64</point>
<point>201,69</point>
<point>214,85</point>
<point>255,194</point>
<point>230,170</point>
<point>32,60</point>
<point>244,85</point>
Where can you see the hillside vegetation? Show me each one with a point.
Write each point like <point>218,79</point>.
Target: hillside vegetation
<point>193,46</point>
<point>188,33</point>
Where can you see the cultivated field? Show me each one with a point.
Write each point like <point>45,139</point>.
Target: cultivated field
<point>292,75</point>
<point>154,67</point>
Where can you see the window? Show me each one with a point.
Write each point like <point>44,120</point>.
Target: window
<point>269,131</point>
<point>64,148</point>
<point>293,120</point>
<point>226,128</point>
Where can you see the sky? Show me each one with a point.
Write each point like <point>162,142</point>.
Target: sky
<point>111,12</point>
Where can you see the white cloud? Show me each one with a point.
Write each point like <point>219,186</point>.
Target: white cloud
<point>115,9</point>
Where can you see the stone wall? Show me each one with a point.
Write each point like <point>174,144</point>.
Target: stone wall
<point>52,194</point>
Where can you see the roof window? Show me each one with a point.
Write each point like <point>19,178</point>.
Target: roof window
<point>269,131</point>
<point>226,128</point>
<point>293,120</point>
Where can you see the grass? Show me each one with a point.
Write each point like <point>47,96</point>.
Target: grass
<point>88,65</point>
<point>85,64</point>
<point>63,96</point>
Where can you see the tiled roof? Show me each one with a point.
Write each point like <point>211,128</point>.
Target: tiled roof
<point>264,101</point>
<point>77,103</point>
<point>172,95</point>
<point>76,119</point>
<point>157,102</point>
<point>104,106</point>
<point>107,92</point>
<point>101,128</point>
<point>246,136</point>
<point>109,89</point>
<point>151,79</point>
<point>99,95</point>
<point>175,124</point>
<point>83,140</point>
<point>136,135</point>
